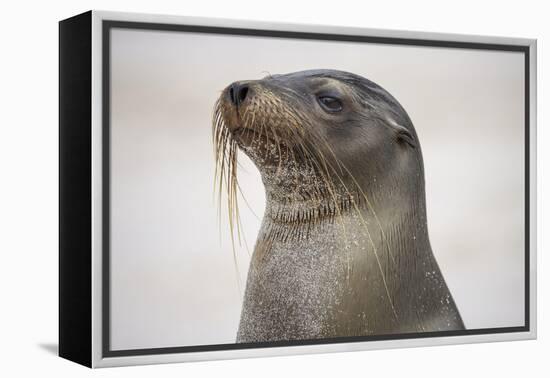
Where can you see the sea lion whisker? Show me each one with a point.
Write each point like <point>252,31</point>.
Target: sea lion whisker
<point>329,184</point>
<point>225,172</point>
<point>368,202</point>
<point>363,221</point>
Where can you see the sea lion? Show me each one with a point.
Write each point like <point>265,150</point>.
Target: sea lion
<point>343,248</point>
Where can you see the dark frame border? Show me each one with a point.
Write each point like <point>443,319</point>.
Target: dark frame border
<point>108,25</point>
<point>75,189</point>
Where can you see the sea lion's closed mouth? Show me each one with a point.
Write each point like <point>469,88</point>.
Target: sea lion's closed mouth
<point>250,135</point>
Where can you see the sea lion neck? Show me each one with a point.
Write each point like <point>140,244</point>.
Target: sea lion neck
<point>299,195</point>
<point>304,211</point>
<point>298,201</point>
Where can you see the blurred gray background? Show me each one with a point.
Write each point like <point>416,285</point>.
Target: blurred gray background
<point>173,277</point>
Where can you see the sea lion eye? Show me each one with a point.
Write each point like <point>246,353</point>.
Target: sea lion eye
<point>330,104</point>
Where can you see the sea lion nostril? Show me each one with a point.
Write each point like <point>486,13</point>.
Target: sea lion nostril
<point>243,92</point>
<point>232,95</point>
<point>238,93</point>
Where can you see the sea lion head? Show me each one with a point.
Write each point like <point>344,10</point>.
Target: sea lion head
<point>317,134</point>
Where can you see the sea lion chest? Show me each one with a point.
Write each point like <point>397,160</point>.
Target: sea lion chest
<point>321,286</point>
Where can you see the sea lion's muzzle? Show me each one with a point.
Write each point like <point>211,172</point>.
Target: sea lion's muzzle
<point>261,115</point>
<point>234,100</point>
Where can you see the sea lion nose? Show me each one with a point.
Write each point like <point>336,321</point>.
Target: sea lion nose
<point>238,92</point>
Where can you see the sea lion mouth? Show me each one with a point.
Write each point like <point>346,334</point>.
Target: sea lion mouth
<point>246,136</point>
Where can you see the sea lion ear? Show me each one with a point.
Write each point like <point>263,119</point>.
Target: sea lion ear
<point>402,133</point>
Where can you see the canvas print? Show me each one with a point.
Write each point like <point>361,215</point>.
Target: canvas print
<point>278,190</point>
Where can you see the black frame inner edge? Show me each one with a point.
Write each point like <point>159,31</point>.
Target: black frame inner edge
<point>108,25</point>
